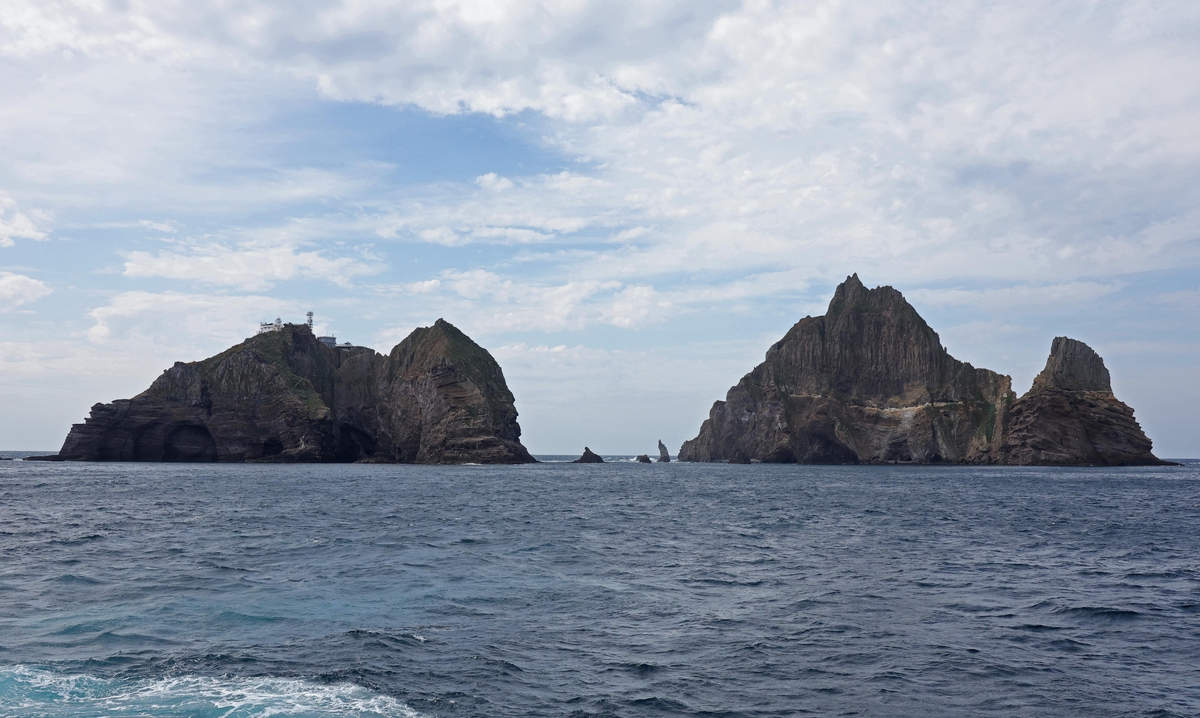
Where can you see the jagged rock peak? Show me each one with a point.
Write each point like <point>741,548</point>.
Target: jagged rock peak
<point>870,347</point>
<point>870,382</point>
<point>664,456</point>
<point>1073,366</point>
<point>852,294</point>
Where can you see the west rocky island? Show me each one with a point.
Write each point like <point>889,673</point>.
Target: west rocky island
<point>869,382</point>
<point>283,396</point>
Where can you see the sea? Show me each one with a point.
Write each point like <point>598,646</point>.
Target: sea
<point>616,589</point>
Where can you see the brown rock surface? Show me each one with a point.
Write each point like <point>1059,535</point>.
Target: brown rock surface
<point>1070,416</point>
<point>284,396</point>
<point>869,382</point>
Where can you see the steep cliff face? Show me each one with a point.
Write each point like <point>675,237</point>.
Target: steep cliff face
<point>867,382</point>
<point>284,396</point>
<point>444,400</point>
<point>1070,416</point>
<point>870,382</point>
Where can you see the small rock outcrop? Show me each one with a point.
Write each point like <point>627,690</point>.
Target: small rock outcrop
<point>664,456</point>
<point>1070,416</point>
<point>644,459</point>
<point>589,457</point>
<point>283,396</point>
<point>869,382</point>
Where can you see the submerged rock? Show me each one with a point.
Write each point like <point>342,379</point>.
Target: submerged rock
<point>664,456</point>
<point>644,459</point>
<point>869,382</point>
<point>283,396</point>
<point>588,457</point>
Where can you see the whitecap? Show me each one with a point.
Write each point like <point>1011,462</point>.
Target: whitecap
<point>29,692</point>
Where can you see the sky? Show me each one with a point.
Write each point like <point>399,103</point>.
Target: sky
<point>626,203</point>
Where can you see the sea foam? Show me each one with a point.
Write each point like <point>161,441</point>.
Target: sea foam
<point>31,692</point>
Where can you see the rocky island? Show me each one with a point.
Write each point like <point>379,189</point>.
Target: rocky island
<point>588,457</point>
<point>284,396</point>
<point>869,382</point>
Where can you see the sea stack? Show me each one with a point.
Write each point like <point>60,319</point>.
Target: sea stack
<point>869,382</point>
<point>284,396</point>
<point>664,456</point>
<point>644,459</point>
<point>1070,416</point>
<point>589,457</point>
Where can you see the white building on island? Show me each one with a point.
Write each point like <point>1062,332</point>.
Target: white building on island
<point>277,325</point>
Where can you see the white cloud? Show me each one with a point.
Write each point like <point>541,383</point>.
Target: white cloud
<point>493,182</point>
<point>168,227</point>
<point>1017,298</point>
<point>182,321</point>
<point>493,304</point>
<point>15,224</point>
<point>251,266</point>
<point>505,305</point>
<point>976,142</point>
<point>17,289</point>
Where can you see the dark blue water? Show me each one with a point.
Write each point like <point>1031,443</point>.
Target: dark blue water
<point>598,590</point>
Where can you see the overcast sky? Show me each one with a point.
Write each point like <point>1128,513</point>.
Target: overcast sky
<point>625,202</point>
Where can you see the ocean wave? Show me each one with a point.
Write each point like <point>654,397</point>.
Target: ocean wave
<point>31,692</point>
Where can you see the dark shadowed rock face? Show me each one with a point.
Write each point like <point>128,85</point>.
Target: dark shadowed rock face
<point>1073,366</point>
<point>1070,415</point>
<point>664,456</point>
<point>284,396</point>
<point>644,459</point>
<point>589,457</point>
<point>869,382</point>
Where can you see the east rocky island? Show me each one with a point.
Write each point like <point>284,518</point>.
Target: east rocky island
<point>284,396</point>
<point>869,382</point>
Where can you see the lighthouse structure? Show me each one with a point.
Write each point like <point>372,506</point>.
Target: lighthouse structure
<point>274,326</point>
<point>277,325</point>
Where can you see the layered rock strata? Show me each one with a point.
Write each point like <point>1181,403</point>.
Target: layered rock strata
<point>1070,416</point>
<point>869,382</point>
<point>438,397</point>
